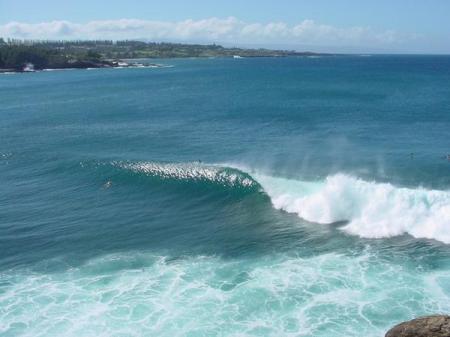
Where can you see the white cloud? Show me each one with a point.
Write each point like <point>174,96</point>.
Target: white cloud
<point>227,30</point>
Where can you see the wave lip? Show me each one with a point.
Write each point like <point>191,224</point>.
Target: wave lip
<point>372,210</point>
<point>195,172</point>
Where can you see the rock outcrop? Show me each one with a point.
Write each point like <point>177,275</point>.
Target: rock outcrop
<point>430,326</point>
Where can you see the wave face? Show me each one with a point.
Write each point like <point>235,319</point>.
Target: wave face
<point>195,173</point>
<point>372,210</point>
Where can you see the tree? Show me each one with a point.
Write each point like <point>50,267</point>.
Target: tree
<point>93,56</point>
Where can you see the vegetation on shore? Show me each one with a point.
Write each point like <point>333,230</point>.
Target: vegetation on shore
<point>16,54</point>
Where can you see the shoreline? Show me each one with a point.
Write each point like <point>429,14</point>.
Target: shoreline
<point>105,65</point>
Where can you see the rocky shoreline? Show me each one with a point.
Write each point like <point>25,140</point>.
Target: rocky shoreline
<point>84,65</point>
<point>428,326</point>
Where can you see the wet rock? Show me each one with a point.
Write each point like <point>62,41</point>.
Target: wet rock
<point>430,326</point>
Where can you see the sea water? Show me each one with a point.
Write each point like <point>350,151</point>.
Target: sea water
<point>225,197</point>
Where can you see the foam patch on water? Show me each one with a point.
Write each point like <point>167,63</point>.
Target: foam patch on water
<point>146,295</point>
<point>373,210</point>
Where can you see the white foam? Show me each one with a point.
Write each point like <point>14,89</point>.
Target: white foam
<point>373,210</point>
<point>321,296</point>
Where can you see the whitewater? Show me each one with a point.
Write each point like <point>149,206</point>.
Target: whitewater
<point>370,209</point>
<point>139,294</point>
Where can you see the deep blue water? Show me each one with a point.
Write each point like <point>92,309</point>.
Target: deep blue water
<point>224,197</point>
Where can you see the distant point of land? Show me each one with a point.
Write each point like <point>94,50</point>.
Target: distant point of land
<point>30,55</point>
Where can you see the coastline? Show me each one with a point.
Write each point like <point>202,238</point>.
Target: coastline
<point>89,66</point>
<point>29,56</point>
<point>129,63</point>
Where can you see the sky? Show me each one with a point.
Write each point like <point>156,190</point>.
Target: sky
<point>395,26</point>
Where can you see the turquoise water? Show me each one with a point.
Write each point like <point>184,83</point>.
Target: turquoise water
<point>222,197</point>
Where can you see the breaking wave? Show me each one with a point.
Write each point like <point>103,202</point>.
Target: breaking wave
<point>369,209</point>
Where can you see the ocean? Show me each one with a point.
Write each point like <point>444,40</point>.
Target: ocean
<point>225,197</point>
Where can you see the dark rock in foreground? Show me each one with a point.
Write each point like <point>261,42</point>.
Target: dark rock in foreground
<point>430,326</point>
